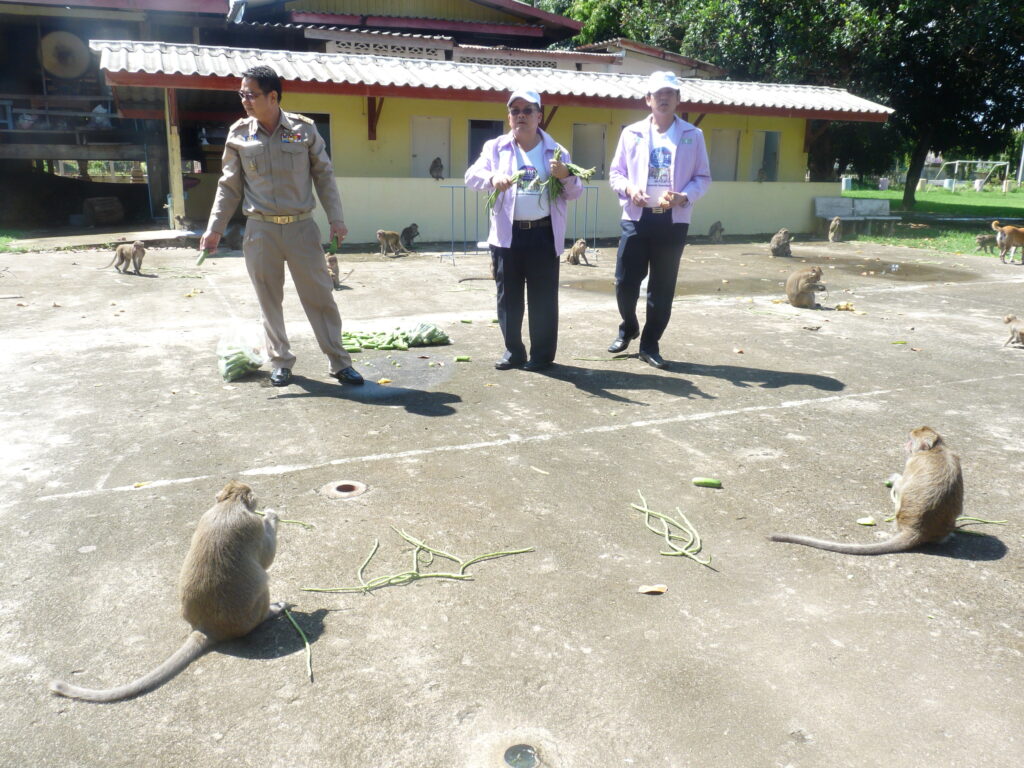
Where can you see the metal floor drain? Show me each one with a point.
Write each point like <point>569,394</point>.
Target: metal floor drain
<point>343,489</point>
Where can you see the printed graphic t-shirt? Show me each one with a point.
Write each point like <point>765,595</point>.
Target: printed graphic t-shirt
<point>531,200</point>
<point>659,172</point>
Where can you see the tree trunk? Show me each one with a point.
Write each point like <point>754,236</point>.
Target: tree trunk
<point>917,158</point>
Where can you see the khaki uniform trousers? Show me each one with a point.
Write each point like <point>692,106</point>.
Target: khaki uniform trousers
<point>267,248</point>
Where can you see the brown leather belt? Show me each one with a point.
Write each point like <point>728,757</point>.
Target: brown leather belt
<point>280,219</point>
<point>532,224</point>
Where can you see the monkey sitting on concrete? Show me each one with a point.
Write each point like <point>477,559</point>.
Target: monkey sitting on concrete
<point>127,255</point>
<point>390,241</point>
<point>1016,331</point>
<point>835,230</point>
<point>779,244</point>
<point>928,496</point>
<point>437,169</point>
<point>716,234</point>
<point>802,285</point>
<point>577,253</point>
<point>408,235</point>
<point>223,588</point>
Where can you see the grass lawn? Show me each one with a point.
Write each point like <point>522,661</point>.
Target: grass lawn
<point>6,236</point>
<point>947,236</point>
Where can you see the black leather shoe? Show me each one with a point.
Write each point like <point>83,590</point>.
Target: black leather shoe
<point>621,343</point>
<point>281,377</point>
<point>536,365</point>
<point>348,376</point>
<point>504,365</point>
<point>653,358</point>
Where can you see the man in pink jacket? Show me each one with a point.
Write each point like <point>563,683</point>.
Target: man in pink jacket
<point>527,228</point>
<point>660,169</point>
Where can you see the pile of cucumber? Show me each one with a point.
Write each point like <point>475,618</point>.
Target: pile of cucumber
<point>422,335</point>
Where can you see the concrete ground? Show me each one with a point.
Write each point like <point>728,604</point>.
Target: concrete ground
<point>119,432</point>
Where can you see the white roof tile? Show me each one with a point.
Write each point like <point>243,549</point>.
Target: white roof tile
<point>383,71</point>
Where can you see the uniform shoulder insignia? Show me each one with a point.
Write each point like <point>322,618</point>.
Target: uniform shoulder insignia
<point>238,123</point>
<point>301,118</point>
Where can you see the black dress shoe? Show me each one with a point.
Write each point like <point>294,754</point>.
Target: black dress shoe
<point>281,377</point>
<point>536,365</point>
<point>653,358</point>
<point>504,365</point>
<point>621,343</point>
<point>348,376</point>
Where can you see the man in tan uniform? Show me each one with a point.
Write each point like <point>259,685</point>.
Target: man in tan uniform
<point>272,159</point>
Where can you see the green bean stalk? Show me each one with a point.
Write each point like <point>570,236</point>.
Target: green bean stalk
<point>492,199</point>
<point>690,539</point>
<point>554,186</point>
<point>422,555</point>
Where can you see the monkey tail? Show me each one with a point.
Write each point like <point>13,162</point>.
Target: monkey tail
<point>109,262</point>
<point>194,646</point>
<point>901,542</point>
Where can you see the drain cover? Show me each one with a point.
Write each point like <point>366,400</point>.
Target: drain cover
<point>343,489</point>
<point>521,756</point>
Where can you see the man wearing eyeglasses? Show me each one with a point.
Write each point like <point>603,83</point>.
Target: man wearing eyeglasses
<point>272,160</point>
<point>659,170</point>
<point>527,228</point>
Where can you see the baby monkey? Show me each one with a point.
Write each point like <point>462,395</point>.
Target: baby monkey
<point>802,285</point>
<point>1016,331</point>
<point>128,255</point>
<point>578,253</point>
<point>835,230</point>
<point>716,234</point>
<point>223,588</point>
<point>929,497</point>
<point>986,243</point>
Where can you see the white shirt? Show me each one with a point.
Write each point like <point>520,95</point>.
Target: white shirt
<point>531,200</point>
<point>663,148</point>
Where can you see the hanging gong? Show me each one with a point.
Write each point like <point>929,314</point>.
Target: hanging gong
<point>64,55</point>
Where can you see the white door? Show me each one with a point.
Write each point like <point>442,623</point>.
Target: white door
<point>430,139</point>
<point>588,147</point>
<point>723,154</point>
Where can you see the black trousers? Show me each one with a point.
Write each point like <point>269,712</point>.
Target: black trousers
<point>529,263</point>
<point>652,245</point>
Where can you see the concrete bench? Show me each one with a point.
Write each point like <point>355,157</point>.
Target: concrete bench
<point>854,210</point>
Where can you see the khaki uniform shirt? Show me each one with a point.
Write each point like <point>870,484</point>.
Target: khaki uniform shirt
<point>273,171</point>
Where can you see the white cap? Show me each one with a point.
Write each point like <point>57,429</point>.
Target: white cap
<point>526,95</point>
<point>658,80</point>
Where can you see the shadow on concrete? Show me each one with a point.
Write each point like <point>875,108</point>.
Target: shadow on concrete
<point>598,382</point>
<point>969,545</point>
<point>278,638</point>
<point>415,401</point>
<point>741,376</point>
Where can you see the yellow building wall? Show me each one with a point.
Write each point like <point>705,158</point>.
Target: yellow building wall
<point>379,193</point>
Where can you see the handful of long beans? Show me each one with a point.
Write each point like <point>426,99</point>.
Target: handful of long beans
<point>554,186</point>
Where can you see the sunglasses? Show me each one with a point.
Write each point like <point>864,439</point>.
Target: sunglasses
<point>525,111</point>
<point>248,95</point>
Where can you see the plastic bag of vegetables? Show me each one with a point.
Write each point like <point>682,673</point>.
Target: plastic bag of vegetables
<point>240,352</point>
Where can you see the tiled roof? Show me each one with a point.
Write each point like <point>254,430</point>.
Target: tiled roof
<point>614,89</point>
<point>264,25</point>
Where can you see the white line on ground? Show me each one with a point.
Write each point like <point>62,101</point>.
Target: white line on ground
<point>514,439</point>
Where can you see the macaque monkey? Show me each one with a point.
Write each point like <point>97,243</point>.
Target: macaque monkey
<point>332,270</point>
<point>390,240</point>
<point>780,243</point>
<point>437,169</point>
<point>408,235</point>
<point>801,286</point>
<point>928,496</point>
<point>223,588</point>
<point>986,243</point>
<point>127,255</point>
<point>1016,331</point>
<point>577,253</point>
<point>835,230</point>
<point>716,233</point>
